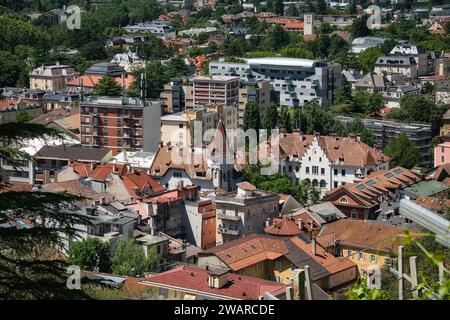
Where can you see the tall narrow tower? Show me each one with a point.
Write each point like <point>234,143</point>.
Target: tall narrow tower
<point>308,24</point>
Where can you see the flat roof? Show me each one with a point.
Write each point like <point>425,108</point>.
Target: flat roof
<point>282,61</point>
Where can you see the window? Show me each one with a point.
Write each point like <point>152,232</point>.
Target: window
<point>373,258</point>
<point>307,169</point>
<point>277,265</point>
<point>315,170</point>
<point>322,171</point>
<point>323,184</point>
<point>360,256</point>
<point>343,172</point>
<point>354,214</point>
<point>335,172</point>
<point>343,200</point>
<point>349,253</point>
<point>335,184</point>
<point>442,159</point>
<point>278,279</point>
<point>290,168</point>
<point>297,168</point>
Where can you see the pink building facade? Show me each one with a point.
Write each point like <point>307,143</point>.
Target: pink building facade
<point>442,153</point>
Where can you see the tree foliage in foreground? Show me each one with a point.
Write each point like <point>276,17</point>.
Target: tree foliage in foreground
<point>30,269</point>
<point>403,152</point>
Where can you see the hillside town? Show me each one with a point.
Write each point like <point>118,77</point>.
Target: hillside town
<point>225,150</point>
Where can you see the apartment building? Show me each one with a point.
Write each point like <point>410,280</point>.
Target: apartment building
<point>417,52</point>
<point>252,91</point>
<point>120,124</point>
<point>172,98</point>
<point>420,134</point>
<point>218,90</point>
<point>178,129</point>
<point>243,212</point>
<point>294,81</point>
<point>51,78</point>
<point>404,66</point>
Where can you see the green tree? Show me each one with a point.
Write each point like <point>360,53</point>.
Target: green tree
<point>278,38</point>
<point>252,117</point>
<point>278,7</point>
<point>285,119</point>
<point>360,291</point>
<point>130,260</point>
<point>107,86</point>
<point>270,117</point>
<point>176,67</point>
<point>292,10</point>
<point>23,116</point>
<point>90,254</point>
<point>403,152</point>
<point>359,27</point>
<point>156,78</point>
<point>93,51</point>
<point>29,268</point>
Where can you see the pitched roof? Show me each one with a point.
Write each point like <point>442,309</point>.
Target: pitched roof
<point>379,183</point>
<point>55,114</point>
<point>72,153</point>
<point>89,81</point>
<point>286,226</point>
<point>139,183</point>
<point>75,187</point>
<point>372,80</point>
<point>169,157</point>
<point>348,151</point>
<point>254,248</point>
<point>196,279</point>
<point>433,203</point>
<point>101,172</point>
<point>360,234</point>
<point>246,251</point>
<point>246,186</point>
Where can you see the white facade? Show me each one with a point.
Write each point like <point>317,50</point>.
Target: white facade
<point>316,167</point>
<point>295,81</point>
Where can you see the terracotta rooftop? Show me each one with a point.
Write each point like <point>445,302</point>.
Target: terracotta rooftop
<point>433,203</point>
<point>52,115</point>
<point>90,81</point>
<point>246,251</point>
<point>75,187</point>
<point>379,183</point>
<point>9,102</point>
<point>254,248</point>
<point>347,151</point>
<point>360,234</point>
<point>196,280</point>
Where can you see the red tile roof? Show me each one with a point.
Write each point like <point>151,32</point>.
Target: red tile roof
<point>360,234</point>
<point>90,81</point>
<point>139,180</point>
<point>195,280</point>
<point>433,203</point>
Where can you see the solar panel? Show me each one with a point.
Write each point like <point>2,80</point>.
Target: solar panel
<point>398,171</point>
<point>389,175</point>
<point>370,183</point>
<point>361,186</point>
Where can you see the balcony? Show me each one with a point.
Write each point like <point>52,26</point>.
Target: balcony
<point>228,217</point>
<point>230,232</point>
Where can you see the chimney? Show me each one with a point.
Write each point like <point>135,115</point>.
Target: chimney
<point>267,222</point>
<point>313,246</point>
<point>300,224</point>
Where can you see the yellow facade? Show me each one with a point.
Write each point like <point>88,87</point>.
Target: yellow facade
<point>366,259</point>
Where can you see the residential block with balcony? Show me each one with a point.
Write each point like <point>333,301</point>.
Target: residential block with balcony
<point>243,212</point>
